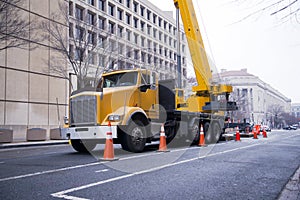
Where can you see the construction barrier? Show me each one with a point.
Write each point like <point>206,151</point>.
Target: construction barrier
<point>109,154</point>
<point>202,138</point>
<point>162,140</point>
<point>237,135</point>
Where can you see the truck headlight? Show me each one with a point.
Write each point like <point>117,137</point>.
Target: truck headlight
<point>114,118</point>
<point>66,120</point>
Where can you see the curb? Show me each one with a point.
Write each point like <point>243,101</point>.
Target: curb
<point>292,188</point>
<point>30,144</point>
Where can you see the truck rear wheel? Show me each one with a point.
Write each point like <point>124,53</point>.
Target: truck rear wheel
<point>134,139</point>
<point>212,132</point>
<point>83,146</point>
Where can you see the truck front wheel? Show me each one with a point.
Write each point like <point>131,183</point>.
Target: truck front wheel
<point>134,138</point>
<point>83,146</point>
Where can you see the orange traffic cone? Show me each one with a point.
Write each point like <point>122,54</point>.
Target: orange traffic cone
<point>162,140</point>
<point>109,154</point>
<point>254,133</point>
<point>202,138</point>
<point>237,134</point>
<point>264,133</point>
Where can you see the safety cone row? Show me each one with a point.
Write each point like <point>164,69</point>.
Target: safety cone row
<point>162,140</point>
<point>202,138</point>
<point>237,135</point>
<point>109,154</point>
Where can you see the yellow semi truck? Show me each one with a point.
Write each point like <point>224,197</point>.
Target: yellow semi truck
<point>137,103</point>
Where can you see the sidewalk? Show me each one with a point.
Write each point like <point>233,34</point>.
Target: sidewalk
<point>32,143</point>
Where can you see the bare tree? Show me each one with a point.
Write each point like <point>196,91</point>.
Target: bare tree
<point>14,28</point>
<point>82,41</point>
<point>285,10</point>
<point>242,101</point>
<point>276,116</point>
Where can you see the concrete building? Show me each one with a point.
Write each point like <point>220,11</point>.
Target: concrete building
<point>30,97</point>
<point>296,110</point>
<point>258,102</point>
<point>142,35</point>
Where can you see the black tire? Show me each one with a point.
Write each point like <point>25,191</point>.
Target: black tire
<point>83,146</point>
<point>195,133</point>
<point>170,133</point>
<point>134,139</point>
<point>212,132</point>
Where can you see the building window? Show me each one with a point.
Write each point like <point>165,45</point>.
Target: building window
<point>154,19</point>
<point>135,6</point>
<point>135,22</point>
<point>91,37</point>
<point>128,18</point>
<point>101,41</point>
<point>136,54</point>
<point>154,33</point>
<point>91,58</point>
<point>120,14</point>
<point>121,49</point>
<point>149,29</point>
<point>111,27</point>
<point>142,41</point>
<point>148,14</point>
<point>102,22</point>
<point>101,5</point>
<point>160,36</point>
<point>142,25</point>
<point>143,57</point>
<point>159,21</point>
<point>79,33</point>
<point>101,60</point>
<point>142,11</point>
<point>149,44</point>
<point>71,8</point>
<point>128,32</point>
<point>111,9</point>
<point>136,38</point>
<point>128,3</point>
<point>91,18</point>
<point>165,25</point>
<point>71,30</point>
<point>120,31</point>
<point>91,2</point>
<point>79,53</point>
<point>79,13</point>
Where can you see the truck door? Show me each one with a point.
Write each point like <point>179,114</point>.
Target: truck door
<point>149,94</point>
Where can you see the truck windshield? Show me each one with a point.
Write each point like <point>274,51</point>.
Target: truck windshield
<point>120,79</point>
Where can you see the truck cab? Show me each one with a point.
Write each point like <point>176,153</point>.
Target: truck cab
<point>126,98</point>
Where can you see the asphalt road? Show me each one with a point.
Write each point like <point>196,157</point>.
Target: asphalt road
<point>250,169</point>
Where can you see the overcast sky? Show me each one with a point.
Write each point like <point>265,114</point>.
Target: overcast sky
<point>268,48</point>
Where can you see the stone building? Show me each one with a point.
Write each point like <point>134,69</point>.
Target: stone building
<point>296,110</point>
<point>258,102</point>
<point>143,36</point>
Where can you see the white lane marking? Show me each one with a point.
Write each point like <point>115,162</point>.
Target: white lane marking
<point>103,170</point>
<point>49,171</point>
<point>74,167</point>
<point>62,194</point>
<point>2,162</point>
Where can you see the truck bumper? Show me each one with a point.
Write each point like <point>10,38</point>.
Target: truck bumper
<point>88,132</point>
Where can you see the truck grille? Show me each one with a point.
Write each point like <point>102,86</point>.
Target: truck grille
<point>83,110</point>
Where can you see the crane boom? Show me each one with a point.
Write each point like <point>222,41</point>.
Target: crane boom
<point>195,42</point>
<point>206,92</point>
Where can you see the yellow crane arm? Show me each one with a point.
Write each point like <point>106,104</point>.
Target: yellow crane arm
<point>199,58</point>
